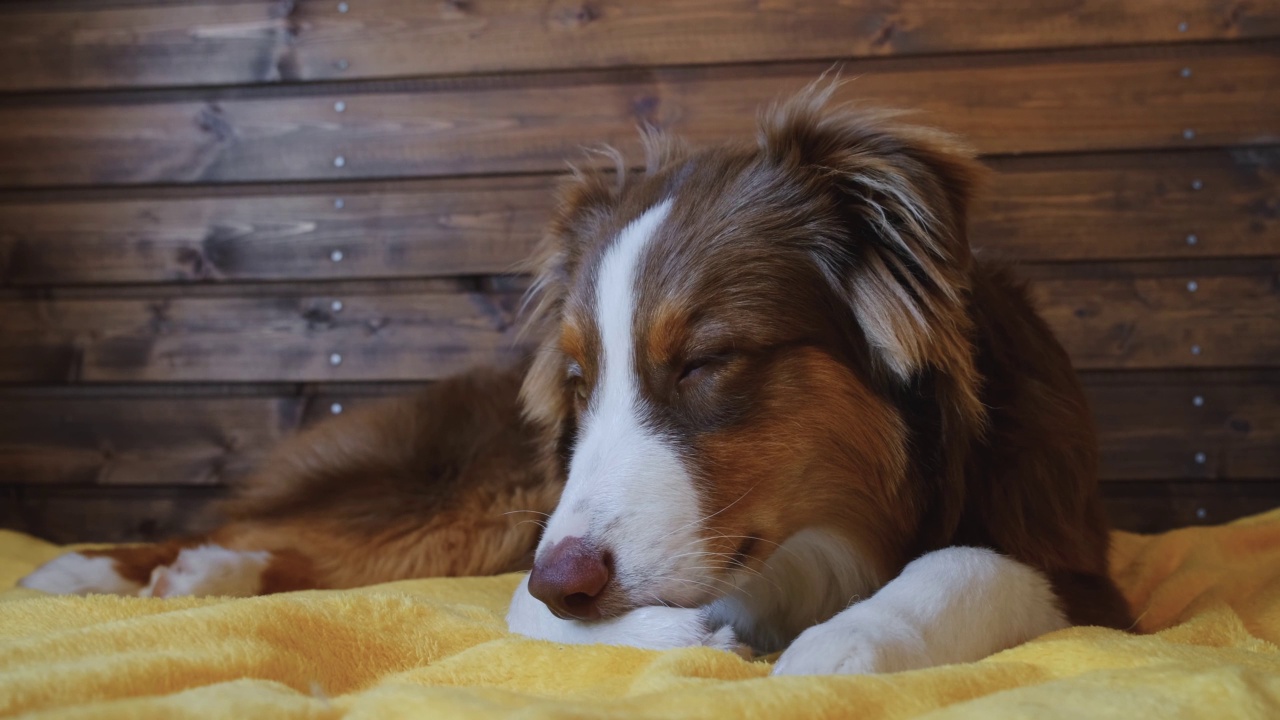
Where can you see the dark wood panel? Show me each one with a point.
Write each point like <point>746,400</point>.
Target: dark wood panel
<point>1200,204</point>
<point>97,514</point>
<point>1123,99</point>
<point>282,337</point>
<point>409,229</point>
<point>1165,322</point>
<point>49,45</point>
<point>1151,507</point>
<point>1112,323</point>
<point>141,441</point>
<point>116,514</point>
<point>1149,426</point>
<point>1194,426</point>
<point>1036,209</point>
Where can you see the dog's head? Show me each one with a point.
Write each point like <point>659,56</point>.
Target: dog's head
<point>728,339</point>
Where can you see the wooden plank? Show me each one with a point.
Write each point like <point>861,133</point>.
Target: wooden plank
<point>1109,323</point>
<point>1149,427</point>
<point>254,338</point>
<point>1151,507</point>
<point>1190,427</point>
<point>115,514</point>
<point>1043,209</point>
<point>412,229</point>
<point>164,441</point>
<point>1165,322</point>
<point>1112,100</point>
<point>1125,206</point>
<point>52,45</point>
<point>95,514</point>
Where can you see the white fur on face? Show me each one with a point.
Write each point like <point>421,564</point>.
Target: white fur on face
<point>628,491</point>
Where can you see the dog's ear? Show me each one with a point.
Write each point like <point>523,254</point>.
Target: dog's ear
<point>901,258</point>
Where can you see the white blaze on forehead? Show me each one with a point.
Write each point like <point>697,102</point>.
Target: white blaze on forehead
<point>628,491</point>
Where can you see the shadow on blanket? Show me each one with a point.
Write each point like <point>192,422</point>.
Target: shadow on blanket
<point>1208,597</point>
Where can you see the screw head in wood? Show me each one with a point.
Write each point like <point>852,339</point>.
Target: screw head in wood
<point>1182,26</point>
<point>336,408</point>
<point>336,256</point>
<point>1201,458</point>
<point>1193,286</point>
<point>1201,513</point>
<point>339,203</point>
<point>1198,401</point>
<point>1195,349</point>
<point>1188,134</point>
<point>341,64</point>
<point>1192,239</point>
<point>1197,184</point>
<point>335,359</point>
<point>339,161</point>
<point>340,106</point>
<point>343,7</point>
<point>336,306</point>
<point>1186,72</point>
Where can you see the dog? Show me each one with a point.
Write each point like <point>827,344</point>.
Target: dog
<point>775,402</point>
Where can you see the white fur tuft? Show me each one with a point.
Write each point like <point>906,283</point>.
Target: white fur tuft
<point>210,570</point>
<point>76,574</point>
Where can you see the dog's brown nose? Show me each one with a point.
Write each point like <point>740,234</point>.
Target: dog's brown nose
<point>570,578</point>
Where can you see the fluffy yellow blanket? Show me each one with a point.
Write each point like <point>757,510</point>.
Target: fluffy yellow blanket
<point>1209,600</point>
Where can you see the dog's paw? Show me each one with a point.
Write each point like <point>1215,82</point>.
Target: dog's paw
<point>210,570</point>
<point>842,647</point>
<point>76,574</point>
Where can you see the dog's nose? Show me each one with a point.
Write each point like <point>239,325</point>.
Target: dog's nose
<point>570,578</point>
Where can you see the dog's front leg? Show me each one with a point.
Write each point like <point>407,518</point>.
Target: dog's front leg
<point>657,627</point>
<point>949,606</point>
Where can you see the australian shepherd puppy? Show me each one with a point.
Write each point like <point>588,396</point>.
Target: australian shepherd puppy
<point>775,402</point>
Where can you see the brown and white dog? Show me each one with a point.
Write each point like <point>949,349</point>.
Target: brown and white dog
<point>785,405</point>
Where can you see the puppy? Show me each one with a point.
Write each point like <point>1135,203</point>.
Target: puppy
<point>779,403</point>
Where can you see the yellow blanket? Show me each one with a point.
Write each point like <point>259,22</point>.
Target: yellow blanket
<point>437,649</point>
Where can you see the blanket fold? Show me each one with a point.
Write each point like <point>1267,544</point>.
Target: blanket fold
<point>1208,601</point>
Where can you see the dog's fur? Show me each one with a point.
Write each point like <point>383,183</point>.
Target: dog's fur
<point>771,380</point>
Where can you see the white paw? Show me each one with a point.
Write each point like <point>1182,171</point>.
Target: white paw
<point>210,570</point>
<point>76,574</point>
<point>839,647</point>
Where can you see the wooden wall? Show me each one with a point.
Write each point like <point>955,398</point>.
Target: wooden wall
<point>220,221</point>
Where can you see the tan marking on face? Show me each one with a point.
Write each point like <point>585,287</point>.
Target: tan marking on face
<point>667,333</point>
<point>573,342</point>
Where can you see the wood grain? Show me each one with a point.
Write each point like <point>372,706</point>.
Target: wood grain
<point>1151,507</point>
<point>1043,209</point>
<point>1193,426</point>
<point>1125,206</point>
<point>1150,427</point>
<point>1165,322</point>
<point>75,45</point>
<point>254,338</point>
<point>408,229</point>
<point>1113,100</point>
